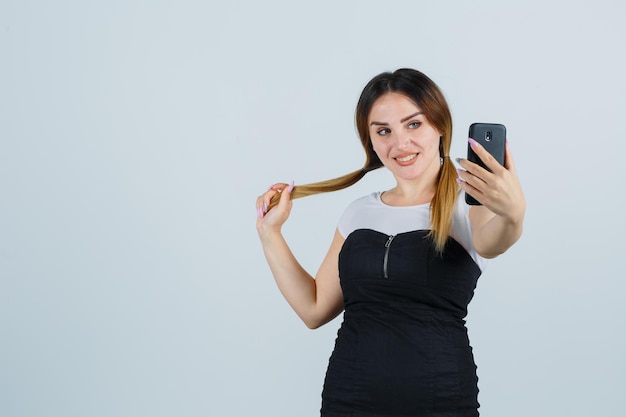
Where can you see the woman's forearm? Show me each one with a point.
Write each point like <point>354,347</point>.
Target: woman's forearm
<point>294,282</point>
<point>497,235</point>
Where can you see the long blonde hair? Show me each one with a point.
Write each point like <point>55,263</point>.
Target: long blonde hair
<point>429,98</point>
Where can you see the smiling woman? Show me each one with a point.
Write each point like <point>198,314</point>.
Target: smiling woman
<point>404,263</point>
<point>407,145</point>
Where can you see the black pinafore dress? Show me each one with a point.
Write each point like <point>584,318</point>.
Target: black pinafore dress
<point>402,348</point>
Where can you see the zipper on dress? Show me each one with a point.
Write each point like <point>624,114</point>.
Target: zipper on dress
<point>386,258</point>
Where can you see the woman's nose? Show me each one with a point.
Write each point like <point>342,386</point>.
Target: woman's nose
<point>404,141</point>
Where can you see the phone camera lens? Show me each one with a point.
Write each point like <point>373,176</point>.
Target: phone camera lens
<point>488,136</point>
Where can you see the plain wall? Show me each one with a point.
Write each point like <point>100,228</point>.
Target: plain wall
<point>136,135</point>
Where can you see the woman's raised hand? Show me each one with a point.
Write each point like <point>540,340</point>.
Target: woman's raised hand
<point>270,216</point>
<point>500,190</point>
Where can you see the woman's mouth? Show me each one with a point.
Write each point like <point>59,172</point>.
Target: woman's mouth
<point>406,158</point>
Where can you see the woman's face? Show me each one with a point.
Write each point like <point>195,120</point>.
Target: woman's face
<point>403,139</point>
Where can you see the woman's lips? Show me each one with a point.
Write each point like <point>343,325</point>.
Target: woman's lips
<point>406,158</point>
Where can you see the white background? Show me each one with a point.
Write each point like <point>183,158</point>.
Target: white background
<point>136,135</point>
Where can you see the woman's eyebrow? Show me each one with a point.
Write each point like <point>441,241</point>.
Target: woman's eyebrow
<point>411,116</point>
<point>374,123</point>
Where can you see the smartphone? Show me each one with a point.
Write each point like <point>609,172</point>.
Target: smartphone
<point>493,138</point>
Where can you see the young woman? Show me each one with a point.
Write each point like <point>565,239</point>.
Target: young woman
<point>403,263</point>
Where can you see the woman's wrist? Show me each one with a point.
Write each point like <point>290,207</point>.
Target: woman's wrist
<point>269,234</point>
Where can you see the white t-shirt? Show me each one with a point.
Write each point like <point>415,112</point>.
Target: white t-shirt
<point>370,212</point>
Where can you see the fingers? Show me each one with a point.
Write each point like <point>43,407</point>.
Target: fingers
<point>272,196</point>
<point>467,184</point>
<point>263,201</point>
<point>478,173</point>
<point>509,163</point>
<point>493,168</point>
<point>284,196</point>
<point>276,194</point>
<point>488,159</point>
<point>473,178</point>
<point>499,190</point>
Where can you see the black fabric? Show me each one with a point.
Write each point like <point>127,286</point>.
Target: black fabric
<point>402,349</point>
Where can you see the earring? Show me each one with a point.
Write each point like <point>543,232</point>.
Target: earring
<point>441,150</point>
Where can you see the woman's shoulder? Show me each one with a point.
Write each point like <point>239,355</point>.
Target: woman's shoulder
<point>369,200</point>
<point>357,211</point>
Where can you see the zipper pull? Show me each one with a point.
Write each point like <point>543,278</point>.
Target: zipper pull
<point>386,258</point>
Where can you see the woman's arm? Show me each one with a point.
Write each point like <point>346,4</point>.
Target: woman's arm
<point>498,223</point>
<point>316,300</point>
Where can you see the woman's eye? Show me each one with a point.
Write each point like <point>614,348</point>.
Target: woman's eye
<point>383,132</point>
<point>414,125</point>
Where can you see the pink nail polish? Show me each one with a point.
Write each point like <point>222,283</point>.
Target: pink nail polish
<point>259,212</point>
<point>472,142</point>
<point>290,188</point>
<point>459,180</point>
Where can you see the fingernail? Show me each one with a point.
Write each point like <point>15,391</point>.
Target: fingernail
<point>290,188</point>
<point>264,207</point>
<point>459,170</point>
<point>259,212</point>
<point>459,180</point>
<point>458,160</point>
<point>472,142</point>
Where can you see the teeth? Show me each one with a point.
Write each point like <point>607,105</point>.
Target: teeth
<point>407,158</point>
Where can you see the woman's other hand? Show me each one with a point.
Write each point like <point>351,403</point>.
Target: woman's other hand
<point>271,217</point>
<point>500,190</point>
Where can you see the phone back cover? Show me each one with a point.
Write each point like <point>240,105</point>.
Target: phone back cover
<point>494,143</point>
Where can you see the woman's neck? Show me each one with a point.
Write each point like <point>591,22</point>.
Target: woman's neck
<point>409,194</point>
